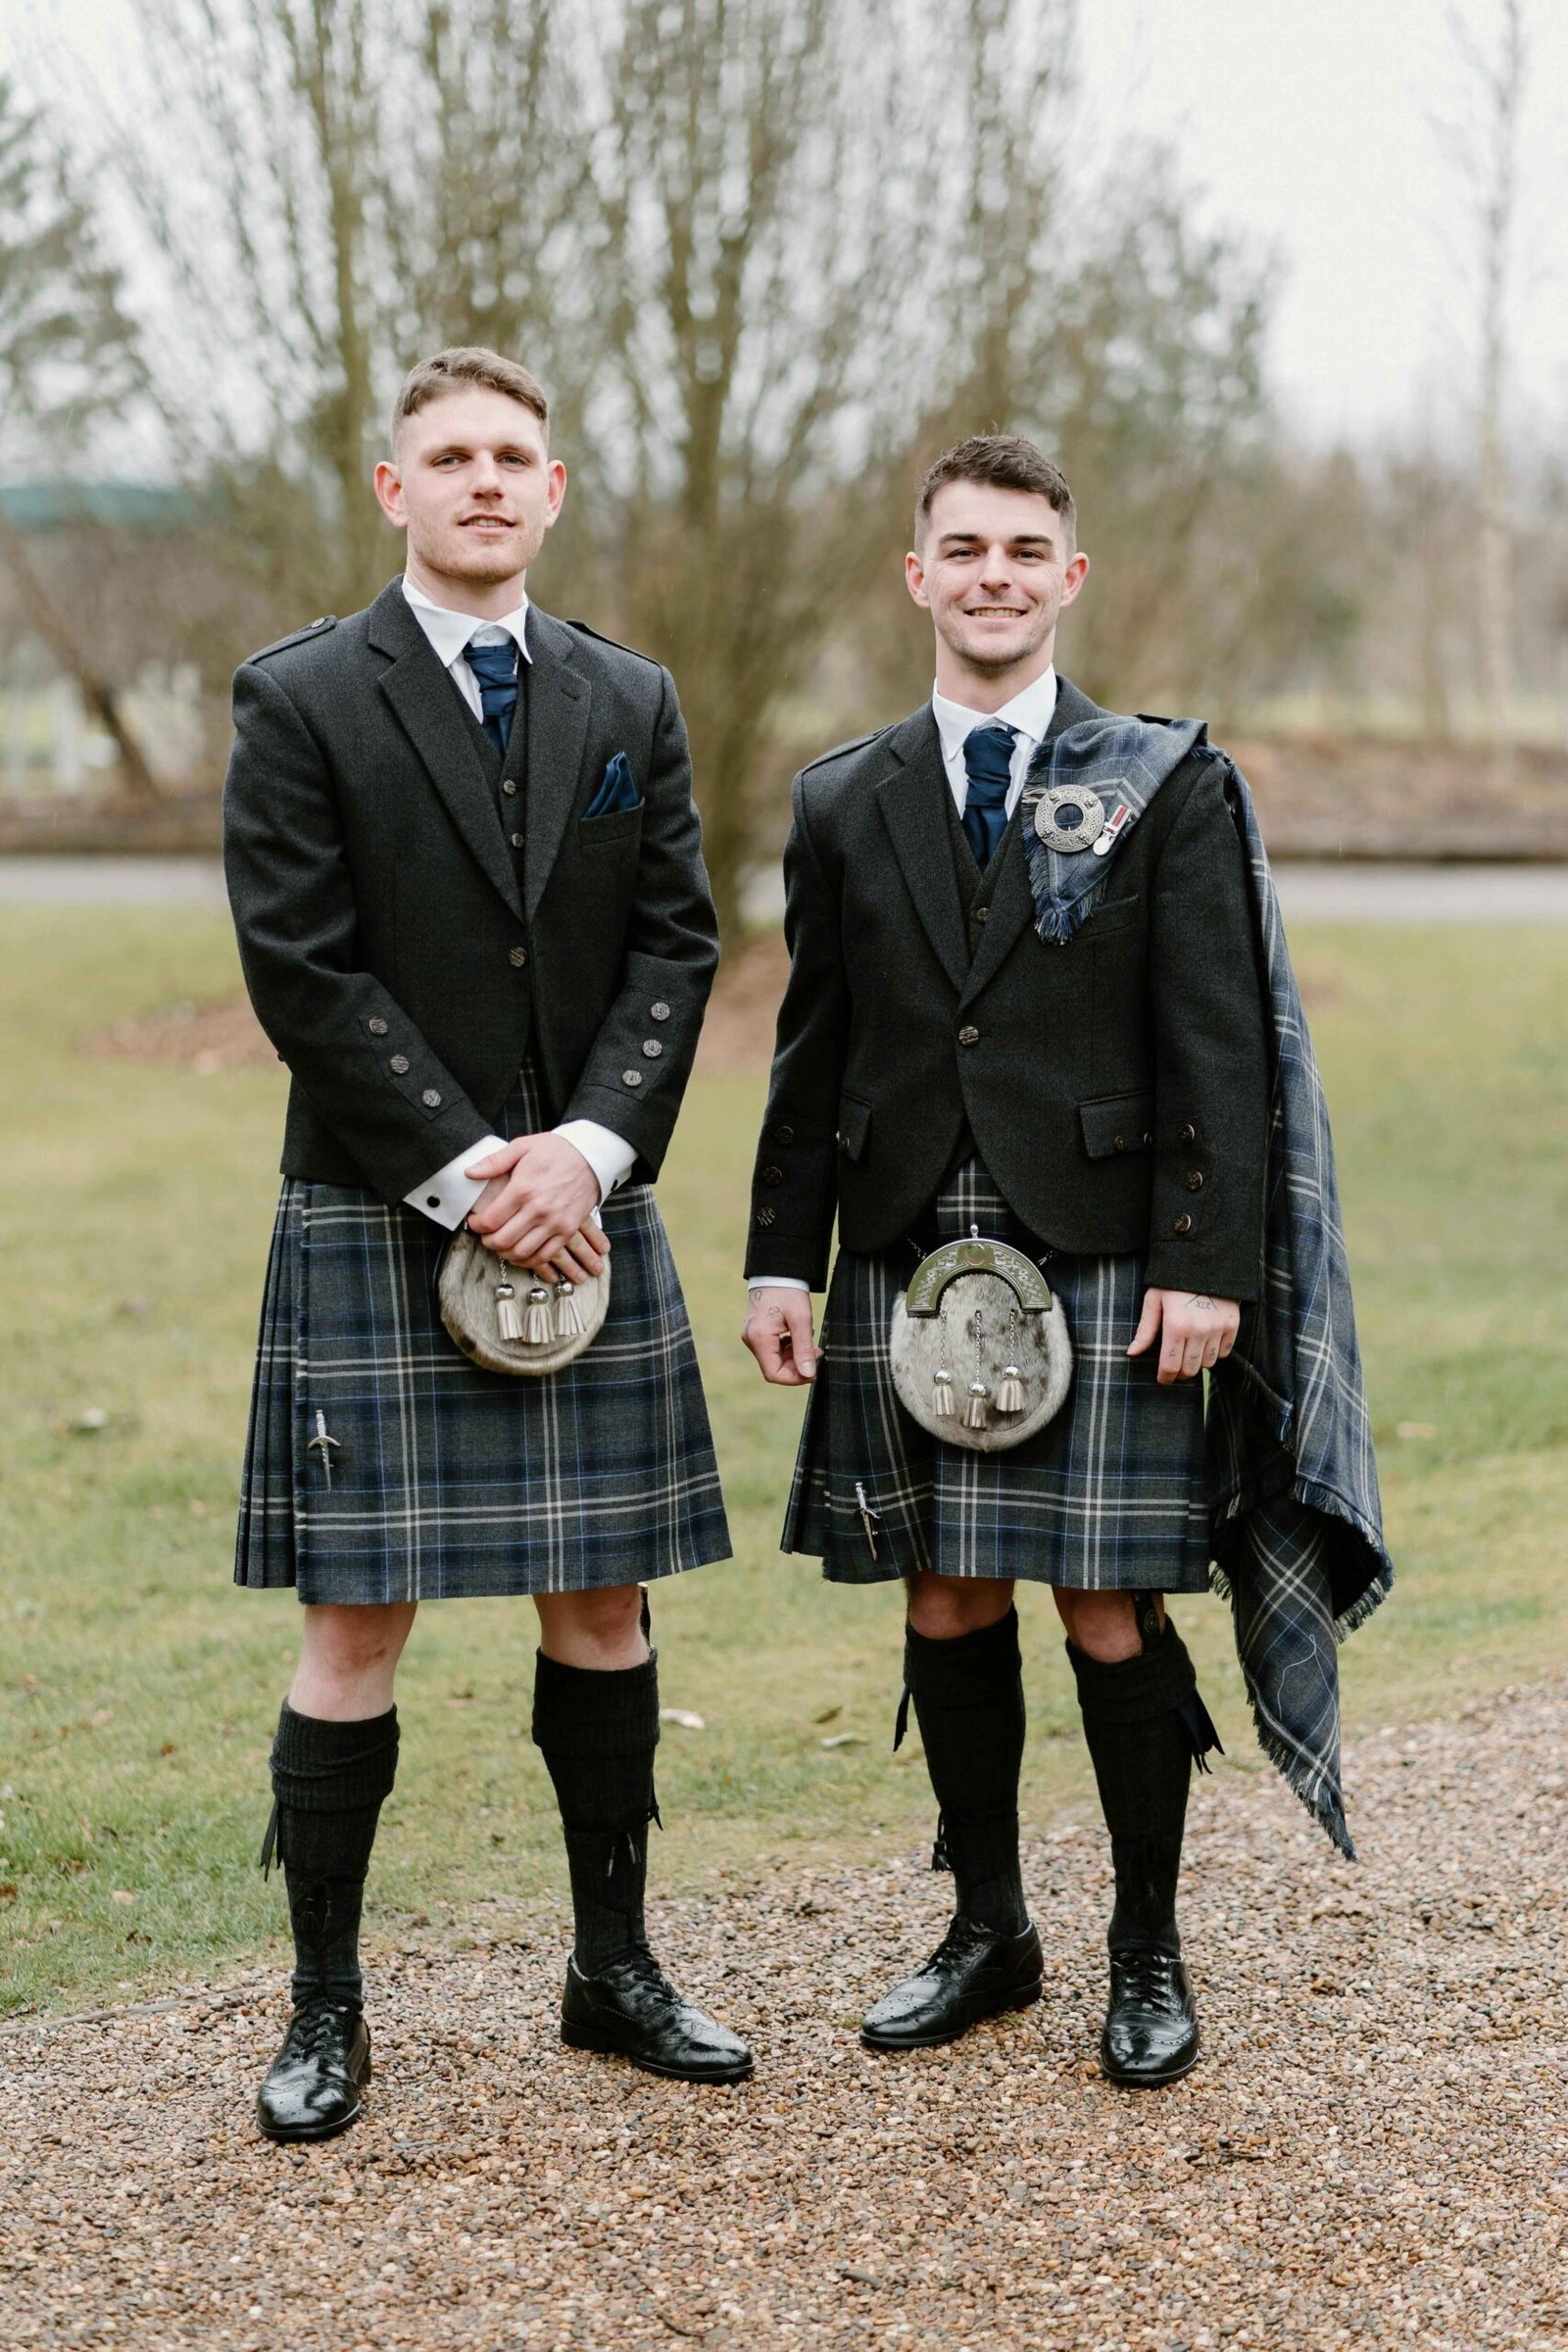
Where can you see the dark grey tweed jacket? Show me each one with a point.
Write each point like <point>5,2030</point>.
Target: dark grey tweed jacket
<point>402,956</point>
<point>1115,1086</point>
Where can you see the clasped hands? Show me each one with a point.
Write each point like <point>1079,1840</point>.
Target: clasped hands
<point>1193,1332</point>
<point>537,1207</point>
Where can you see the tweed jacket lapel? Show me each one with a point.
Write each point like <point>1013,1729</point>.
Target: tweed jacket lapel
<point>560,698</point>
<point>1013,904</point>
<point>913,797</point>
<point>431,716</point>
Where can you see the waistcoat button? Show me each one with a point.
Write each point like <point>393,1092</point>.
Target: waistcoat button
<point>399,1065</point>
<point>517,955</point>
<point>1183,1224</point>
<point>375,1025</point>
<point>968,1037</point>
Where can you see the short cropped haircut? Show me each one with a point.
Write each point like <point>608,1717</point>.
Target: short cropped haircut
<point>468,363</point>
<point>1009,462</point>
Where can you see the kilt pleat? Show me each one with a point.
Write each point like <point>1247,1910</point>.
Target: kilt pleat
<point>1109,1496</point>
<point>447,1479</point>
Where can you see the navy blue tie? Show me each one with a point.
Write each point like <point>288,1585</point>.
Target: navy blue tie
<point>495,668</point>
<point>988,765</point>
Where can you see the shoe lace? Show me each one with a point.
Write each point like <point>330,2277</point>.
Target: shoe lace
<point>643,1969</point>
<point>1147,1974</point>
<point>319,2023</point>
<point>959,1940</point>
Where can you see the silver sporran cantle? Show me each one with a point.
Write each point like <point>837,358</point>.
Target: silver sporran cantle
<point>505,1318</point>
<point>980,1349</point>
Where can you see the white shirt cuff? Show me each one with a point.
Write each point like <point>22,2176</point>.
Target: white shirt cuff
<point>446,1197</point>
<point>608,1153</point>
<point>776,1282</point>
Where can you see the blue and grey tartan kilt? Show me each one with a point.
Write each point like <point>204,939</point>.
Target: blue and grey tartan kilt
<point>1109,1496</point>
<point>447,1481</point>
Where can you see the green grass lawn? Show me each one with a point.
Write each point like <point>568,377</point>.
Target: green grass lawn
<point>138,1689</point>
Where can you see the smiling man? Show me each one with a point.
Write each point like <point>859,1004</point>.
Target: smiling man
<point>1093,1096</point>
<point>467,882</point>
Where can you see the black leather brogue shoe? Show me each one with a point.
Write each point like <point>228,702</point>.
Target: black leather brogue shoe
<point>1150,2032</point>
<point>315,2086</point>
<point>973,1973</point>
<point>632,2008</point>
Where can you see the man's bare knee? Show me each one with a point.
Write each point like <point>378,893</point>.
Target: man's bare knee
<point>1103,1626</point>
<point>944,1607</point>
<point>348,1659</point>
<point>600,1629</point>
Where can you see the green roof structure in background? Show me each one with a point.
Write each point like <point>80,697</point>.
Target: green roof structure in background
<point>54,506</point>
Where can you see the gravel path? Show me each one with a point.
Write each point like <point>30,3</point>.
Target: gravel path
<point>1375,2151</point>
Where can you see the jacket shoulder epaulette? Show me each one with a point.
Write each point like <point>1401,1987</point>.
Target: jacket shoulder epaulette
<point>599,636</point>
<point>317,628</point>
<point>842,750</point>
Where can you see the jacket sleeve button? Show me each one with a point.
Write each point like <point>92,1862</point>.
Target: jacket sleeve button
<point>783,1134</point>
<point>652,1049</point>
<point>770,1176</point>
<point>430,1099</point>
<point>766,1214</point>
<point>399,1066</point>
<point>1148,1140</point>
<point>631,1077</point>
<point>1195,1180</point>
<point>1189,1135</point>
<point>517,955</point>
<point>375,1025</point>
<point>659,1012</point>
<point>1182,1224</point>
<point>1118,1143</point>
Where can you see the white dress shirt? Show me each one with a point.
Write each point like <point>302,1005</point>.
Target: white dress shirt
<point>1029,714</point>
<point>446,1197</point>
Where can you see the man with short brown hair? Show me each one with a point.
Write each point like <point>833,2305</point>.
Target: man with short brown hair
<point>467,882</point>
<point>1092,1095</point>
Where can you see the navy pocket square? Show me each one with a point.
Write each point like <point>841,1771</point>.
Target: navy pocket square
<point>618,789</point>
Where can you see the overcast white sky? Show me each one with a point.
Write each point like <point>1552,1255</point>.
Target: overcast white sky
<point>1310,125</point>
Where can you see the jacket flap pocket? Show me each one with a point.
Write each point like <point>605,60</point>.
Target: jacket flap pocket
<point>854,1126</point>
<point>620,824</point>
<point>1118,1123</point>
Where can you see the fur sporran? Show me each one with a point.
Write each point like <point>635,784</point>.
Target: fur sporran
<point>508,1320</point>
<point>980,1350</point>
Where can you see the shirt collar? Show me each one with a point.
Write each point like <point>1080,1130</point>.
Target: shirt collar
<point>449,632</point>
<point>1029,713</point>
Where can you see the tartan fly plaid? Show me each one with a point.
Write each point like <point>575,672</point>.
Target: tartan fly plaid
<point>1108,1496</point>
<point>381,1464</point>
<point>1292,1483</point>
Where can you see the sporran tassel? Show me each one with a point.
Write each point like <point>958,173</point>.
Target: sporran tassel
<point>508,1321</point>
<point>568,1322</point>
<point>537,1329</point>
<point>942,1394</point>
<point>975,1411</point>
<point>1010,1396</point>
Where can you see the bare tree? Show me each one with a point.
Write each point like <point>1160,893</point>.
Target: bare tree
<point>382,176</point>
<point>763,249</point>
<point>68,358</point>
<point>1484,150</point>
